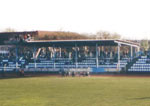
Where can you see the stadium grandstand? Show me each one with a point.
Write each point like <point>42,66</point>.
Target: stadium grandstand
<point>20,50</point>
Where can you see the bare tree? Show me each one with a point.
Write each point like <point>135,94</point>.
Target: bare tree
<point>60,35</point>
<point>106,35</point>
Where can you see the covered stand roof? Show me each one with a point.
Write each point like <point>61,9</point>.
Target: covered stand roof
<point>61,43</point>
<point>5,36</point>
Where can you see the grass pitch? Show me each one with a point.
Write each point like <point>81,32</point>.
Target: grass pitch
<point>77,91</point>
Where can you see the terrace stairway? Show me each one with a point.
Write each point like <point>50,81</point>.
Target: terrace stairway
<point>130,63</point>
<point>141,65</point>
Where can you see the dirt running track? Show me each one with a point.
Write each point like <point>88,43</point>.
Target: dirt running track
<point>93,75</point>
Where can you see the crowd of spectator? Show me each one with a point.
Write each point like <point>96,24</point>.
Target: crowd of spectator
<point>27,54</point>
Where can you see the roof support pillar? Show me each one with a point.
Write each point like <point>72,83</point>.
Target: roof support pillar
<point>76,56</point>
<point>54,56</point>
<point>38,52</point>
<point>99,51</point>
<point>60,52</point>
<point>16,56</point>
<point>97,63</point>
<point>118,65</point>
<point>34,56</point>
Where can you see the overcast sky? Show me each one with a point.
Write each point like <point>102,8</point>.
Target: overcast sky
<point>129,18</point>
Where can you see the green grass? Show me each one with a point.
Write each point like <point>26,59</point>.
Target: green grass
<point>78,91</point>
